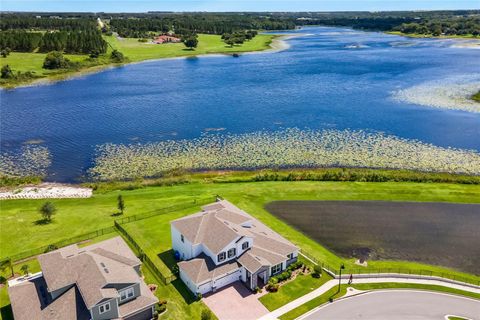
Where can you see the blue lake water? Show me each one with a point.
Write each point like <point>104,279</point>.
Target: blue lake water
<point>331,78</point>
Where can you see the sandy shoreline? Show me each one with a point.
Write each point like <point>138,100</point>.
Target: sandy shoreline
<point>278,44</point>
<point>45,191</point>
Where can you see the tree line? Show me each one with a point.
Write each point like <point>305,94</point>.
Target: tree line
<point>449,26</point>
<point>85,41</point>
<point>209,23</point>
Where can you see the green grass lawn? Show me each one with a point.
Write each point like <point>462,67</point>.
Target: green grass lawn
<point>20,232</point>
<point>333,293</point>
<point>290,291</point>
<point>138,51</point>
<point>78,216</point>
<point>133,50</point>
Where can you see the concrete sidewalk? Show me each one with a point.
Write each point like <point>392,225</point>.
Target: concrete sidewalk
<point>332,283</point>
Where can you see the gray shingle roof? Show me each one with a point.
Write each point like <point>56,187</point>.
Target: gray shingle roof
<point>29,304</point>
<point>90,268</point>
<point>220,224</point>
<point>202,268</point>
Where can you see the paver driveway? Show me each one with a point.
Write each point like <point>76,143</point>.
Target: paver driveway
<point>235,302</point>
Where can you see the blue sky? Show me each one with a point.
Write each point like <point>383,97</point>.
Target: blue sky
<point>234,5</point>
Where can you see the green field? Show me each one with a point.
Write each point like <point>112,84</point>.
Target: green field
<point>133,50</point>
<point>20,230</point>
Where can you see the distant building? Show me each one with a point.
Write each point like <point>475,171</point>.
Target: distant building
<point>97,282</point>
<point>166,39</point>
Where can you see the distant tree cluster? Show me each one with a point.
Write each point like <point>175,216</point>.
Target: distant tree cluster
<point>450,26</point>
<point>459,22</point>
<point>238,37</point>
<point>69,42</point>
<point>182,24</point>
<point>39,22</point>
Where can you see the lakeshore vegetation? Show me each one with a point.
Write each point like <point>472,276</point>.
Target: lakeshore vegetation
<point>280,149</point>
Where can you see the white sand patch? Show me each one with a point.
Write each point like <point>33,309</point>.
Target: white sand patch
<point>46,191</point>
<point>442,95</point>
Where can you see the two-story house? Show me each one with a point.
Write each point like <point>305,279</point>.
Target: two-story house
<point>223,244</point>
<point>100,281</point>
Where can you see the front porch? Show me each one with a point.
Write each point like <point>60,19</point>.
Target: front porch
<point>258,279</point>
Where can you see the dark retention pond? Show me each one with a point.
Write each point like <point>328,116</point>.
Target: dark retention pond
<point>330,78</point>
<point>443,234</point>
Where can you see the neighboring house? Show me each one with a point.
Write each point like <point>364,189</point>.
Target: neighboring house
<point>100,281</point>
<point>223,244</point>
<point>166,39</point>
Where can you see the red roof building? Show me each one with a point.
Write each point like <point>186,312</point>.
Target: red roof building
<point>166,39</point>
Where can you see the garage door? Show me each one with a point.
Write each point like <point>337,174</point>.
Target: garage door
<point>204,288</point>
<point>227,279</point>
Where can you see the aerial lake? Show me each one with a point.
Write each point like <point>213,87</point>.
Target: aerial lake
<point>329,78</point>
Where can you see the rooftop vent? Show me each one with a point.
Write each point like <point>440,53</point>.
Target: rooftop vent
<point>106,270</point>
<point>102,264</point>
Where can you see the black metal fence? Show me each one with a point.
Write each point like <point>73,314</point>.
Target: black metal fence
<point>58,244</point>
<point>166,278</point>
<point>402,271</point>
<point>91,235</point>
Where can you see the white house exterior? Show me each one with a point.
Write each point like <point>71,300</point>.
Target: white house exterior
<point>223,244</point>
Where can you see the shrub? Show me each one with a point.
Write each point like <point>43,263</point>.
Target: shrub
<point>294,266</point>
<point>206,314</point>
<point>55,60</point>
<point>51,247</point>
<point>317,271</point>
<point>199,296</point>
<point>117,56</point>
<point>160,308</point>
<point>6,72</point>
<point>272,287</point>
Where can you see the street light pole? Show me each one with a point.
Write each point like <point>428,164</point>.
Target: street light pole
<point>340,277</point>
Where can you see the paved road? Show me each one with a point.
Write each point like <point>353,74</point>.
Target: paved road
<point>398,305</point>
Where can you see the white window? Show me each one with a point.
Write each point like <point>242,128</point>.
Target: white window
<point>104,307</point>
<point>221,256</point>
<point>232,252</point>
<point>290,256</point>
<point>276,269</point>
<point>245,245</point>
<point>181,238</point>
<point>126,294</point>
